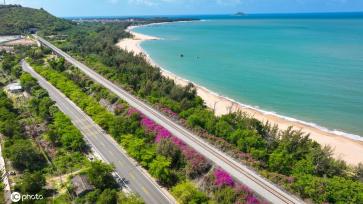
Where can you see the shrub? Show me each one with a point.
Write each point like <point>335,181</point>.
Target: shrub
<point>186,193</point>
<point>222,178</point>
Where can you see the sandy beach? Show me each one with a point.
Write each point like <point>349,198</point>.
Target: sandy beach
<point>348,149</point>
<point>133,44</point>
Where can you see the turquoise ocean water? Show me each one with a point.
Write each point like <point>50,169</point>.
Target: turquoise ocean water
<point>309,68</point>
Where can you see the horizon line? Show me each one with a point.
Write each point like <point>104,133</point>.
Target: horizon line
<point>213,14</point>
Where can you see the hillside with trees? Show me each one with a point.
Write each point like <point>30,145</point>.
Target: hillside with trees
<point>16,19</point>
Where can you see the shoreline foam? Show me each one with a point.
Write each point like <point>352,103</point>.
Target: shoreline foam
<point>346,146</point>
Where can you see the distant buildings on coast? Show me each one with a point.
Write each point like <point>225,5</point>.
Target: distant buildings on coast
<point>135,20</point>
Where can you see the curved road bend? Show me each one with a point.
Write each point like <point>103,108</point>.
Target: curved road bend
<point>239,171</point>
<point>105,145</point>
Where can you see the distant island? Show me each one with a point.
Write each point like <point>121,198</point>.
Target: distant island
<point>239,14</point>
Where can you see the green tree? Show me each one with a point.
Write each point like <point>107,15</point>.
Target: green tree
<point>159,168</point>
<point>90,197</point>
<point>133,145</point>
<point>187,193</point>
<point>280,161</point>
<point>129,199</point>
<point>57,64</point>
<point>107,196</point>
<point>27,81</point>
<point>41,106</point>
<point>166,148</point>
<point>9,123</point>
<point>249,141</point>
<point>8,62</point>
<point>100,176</point>
<point>10,126</point>
<point>148,153</point>
<point>62,132</point>
<point>72,141</point>
<point>223,129</point>
<point>331,190</point>
<point>304,166</point>
<point>24,156</point>
<point>325,164</point>
<point>31,183</point>
<point>225,195</point>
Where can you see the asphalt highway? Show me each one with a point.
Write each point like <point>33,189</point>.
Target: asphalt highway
<point>110,151</point>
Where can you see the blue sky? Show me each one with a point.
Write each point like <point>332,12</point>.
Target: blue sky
<point>65,8</point>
